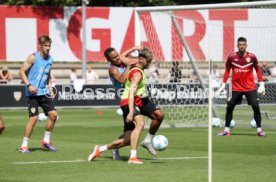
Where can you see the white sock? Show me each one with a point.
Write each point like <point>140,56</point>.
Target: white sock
<point>148,138</point>
<point>259,129</point>
<point>103,148</point>
<point>25,142</point>
<point>227,129</point>
<point>133,153</point>
<point>47,136</point>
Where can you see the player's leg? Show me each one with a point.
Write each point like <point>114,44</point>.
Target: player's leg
<point>116,144</point>
<point>47,105</point>
<point>115,154</point>
<point>236,98</point>
<point>127,127</point>
<point>252,99</point>
<point>134,138</point>
<point>2,124</point>
<point>152,111</point>
<point>33,116</point>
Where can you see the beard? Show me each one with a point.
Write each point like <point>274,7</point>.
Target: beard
<point>241,51</point>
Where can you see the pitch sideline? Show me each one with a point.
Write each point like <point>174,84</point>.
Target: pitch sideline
<point>81,160</point>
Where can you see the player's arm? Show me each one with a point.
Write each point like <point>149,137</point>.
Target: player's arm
<point>225,75</point>
<point>126,58</point>
<point>22,73</point>
<point>116,75</point>
<point>261,89</point>
<point>50,84</point>
<point>136,78</point>
<point>258,70</point>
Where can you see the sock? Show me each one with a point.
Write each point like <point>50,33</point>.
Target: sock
<point>133,153</point>
<point>25,142</point>
<point>148,137</point>
<point>259,129</point>
<point>227,129</point>
<point>103,148</point>
<point>47,136</point>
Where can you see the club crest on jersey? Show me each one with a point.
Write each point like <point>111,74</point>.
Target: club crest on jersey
<point>248,60</point>
<point>17,95</point>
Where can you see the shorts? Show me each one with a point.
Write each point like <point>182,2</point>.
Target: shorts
<point>147,108</point>
<point>251,97</point>
<point>129,126</point>
<point>47,104</point>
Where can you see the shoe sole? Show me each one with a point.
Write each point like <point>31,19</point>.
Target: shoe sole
<point>24,152</point>
<point>144,146</point>
<point>48,148</point>
<point>93,155</point>
<point>132,162</point>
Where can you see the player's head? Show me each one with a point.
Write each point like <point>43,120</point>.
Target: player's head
<point>45,44</point>
<point>145,57</point>
<point>242,44</point>
<point>112,56</point>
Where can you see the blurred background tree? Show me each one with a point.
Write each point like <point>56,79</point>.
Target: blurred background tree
<point>113,3</point>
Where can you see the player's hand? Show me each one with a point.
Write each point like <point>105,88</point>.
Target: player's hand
<point>261,89</point>
<point>129,118</point>
<point>221,88</point>
<point>51,92</point>
<point>33,90</point>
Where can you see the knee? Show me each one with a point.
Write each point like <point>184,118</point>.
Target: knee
<point>255,107</point>
<point>33,120</point>
<point>230,107</point>
<point>52,115</point>
<point>140,124</point>
<point>159,115</point>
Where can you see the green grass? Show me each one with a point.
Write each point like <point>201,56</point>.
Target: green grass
<point>243,157</point>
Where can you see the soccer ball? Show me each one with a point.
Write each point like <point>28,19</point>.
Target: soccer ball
<point>216,122</point>
<point>253,123</point>
<point>160,142</point>
<point>119,112</point>
<point>42,117</point>
<point>232,124</point>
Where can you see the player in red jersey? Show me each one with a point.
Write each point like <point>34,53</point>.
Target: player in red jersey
<point>242,63</point>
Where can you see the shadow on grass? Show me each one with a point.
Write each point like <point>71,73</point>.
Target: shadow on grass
<point>243,134</point>
<point>125,159</point>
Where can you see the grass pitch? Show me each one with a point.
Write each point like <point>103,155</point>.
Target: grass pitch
<point>242,157</point>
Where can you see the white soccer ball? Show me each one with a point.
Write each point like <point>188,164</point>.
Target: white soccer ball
<point>42,117</point>
<point>253,123</point>
<point>119,112</point>
<point>216,122</point>
<point>160,142</point>
<point>233,123</point>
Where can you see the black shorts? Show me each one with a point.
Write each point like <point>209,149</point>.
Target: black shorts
<point>251,97</point>
<point>47,104</point>
<point>147,108</point>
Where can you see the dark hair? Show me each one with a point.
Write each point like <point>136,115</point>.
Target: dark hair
<point>242,39</point>
<point>108,51</point>
<point>43,39</point>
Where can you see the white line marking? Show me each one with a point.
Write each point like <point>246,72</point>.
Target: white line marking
<point>181,158</point>
<point>47,162</point>
<point>81,160</point>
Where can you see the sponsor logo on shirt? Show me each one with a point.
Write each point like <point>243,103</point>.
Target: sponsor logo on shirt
<point>237,70</point>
